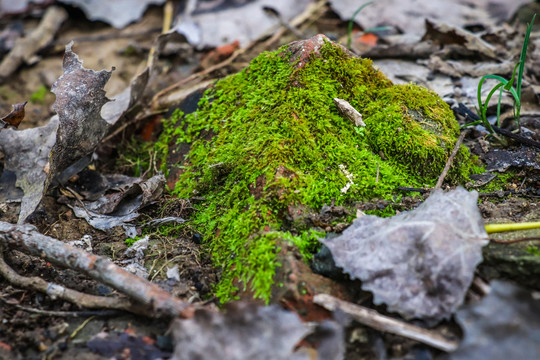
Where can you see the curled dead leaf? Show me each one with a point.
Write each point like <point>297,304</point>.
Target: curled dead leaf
<point>15,117</point>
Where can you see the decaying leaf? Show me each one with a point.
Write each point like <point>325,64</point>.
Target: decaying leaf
<point>221,24</point>
<point>419,263</point>
<point>120,207</point>
<point>504,325</point>
<point>79,98</point>
<point>118,13</point>
<point>26,154</point>
<point>135,258</point>
<point>443,34</point>
<point>501,159</point>
<point>120,103</point>
<point>15,117</point>
<point>244,331</point>
<point>69,139</point>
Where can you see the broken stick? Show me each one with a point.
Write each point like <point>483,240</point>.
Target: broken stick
<point>380,322</point>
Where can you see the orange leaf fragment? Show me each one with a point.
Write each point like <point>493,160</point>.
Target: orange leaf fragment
<point>368,39</point>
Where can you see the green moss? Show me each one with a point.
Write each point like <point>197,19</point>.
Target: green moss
<point>39,95</point>
<point>270,137</point>
<point>533,250</point>
<point>307,242</point>
<point>388,211</point>
<point>501,181</point>
<point>130,241</point>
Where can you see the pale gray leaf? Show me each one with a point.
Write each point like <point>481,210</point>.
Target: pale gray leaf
<point>419,263</point>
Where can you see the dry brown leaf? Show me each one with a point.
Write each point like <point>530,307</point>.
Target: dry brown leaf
<point>15,117</point>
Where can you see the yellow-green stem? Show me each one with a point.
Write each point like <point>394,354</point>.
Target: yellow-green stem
<point>493,228</point>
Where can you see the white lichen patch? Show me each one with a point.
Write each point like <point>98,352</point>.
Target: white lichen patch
<point>349,177</point>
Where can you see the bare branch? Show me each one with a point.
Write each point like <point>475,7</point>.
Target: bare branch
<point>58,291</point>
<point>27,239</point>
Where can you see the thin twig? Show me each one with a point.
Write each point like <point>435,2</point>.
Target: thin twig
<point>411,189</point>
<point>451,158</point>
<point>73,314</point>
<point>80,327</point>
<point>380,322</point>
<point>514,240</point>
<point>482,286</point>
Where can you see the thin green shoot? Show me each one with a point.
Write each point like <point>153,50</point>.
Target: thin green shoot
<point>506,85</point>
<point>523,54</point>
<point>351,22</point>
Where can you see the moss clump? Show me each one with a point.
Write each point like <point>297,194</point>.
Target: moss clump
<point>270,137</point>
<point>39,95</point>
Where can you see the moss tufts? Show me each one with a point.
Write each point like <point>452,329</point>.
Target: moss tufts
<point>270,137</point>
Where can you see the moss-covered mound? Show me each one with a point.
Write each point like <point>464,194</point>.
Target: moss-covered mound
<point>270,139</point>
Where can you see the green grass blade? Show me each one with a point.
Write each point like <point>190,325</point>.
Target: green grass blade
<point>378,28</point>
<point>349,30</point>
<point>495,77</point>
<point>524,54</point>
<point>474,123</point>
<point>499,106</point>
<point>486,103</point>
<point>482,107</point>
<point>511,82</point>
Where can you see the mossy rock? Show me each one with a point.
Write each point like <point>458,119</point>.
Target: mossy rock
<point>270,139</point>
<point>511,261</point>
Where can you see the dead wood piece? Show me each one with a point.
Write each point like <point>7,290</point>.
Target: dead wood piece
<point>59,291</point>
<point>26,47</point>
<point>380,322</point>
<point>447,35</point>
<point>27,239</point>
